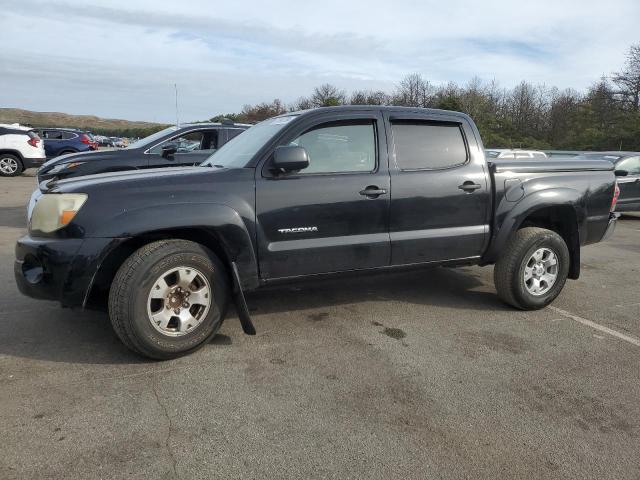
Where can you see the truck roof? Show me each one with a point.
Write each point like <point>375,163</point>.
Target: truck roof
<point>214,124</point>
<point>385,108</point>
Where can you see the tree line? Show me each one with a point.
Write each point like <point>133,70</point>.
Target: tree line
<point>604,117</point>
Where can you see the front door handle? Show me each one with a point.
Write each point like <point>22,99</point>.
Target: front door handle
<point>372,191</point>
<point>469,186</point>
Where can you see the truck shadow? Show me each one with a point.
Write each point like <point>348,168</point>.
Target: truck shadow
<point>54,334</point>
<point>446,287</point>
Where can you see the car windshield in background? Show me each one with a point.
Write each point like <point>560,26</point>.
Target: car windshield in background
<point>143,142</point>
<point>239,151</point>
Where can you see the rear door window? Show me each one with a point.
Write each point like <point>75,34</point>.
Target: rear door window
<point>631,165</point>
<point>53,135</point>
<point>233,132</point>
<point>428,145</point>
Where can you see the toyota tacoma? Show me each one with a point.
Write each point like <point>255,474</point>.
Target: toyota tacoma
<point>327,191</point>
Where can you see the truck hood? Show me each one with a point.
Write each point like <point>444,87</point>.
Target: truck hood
<point>127,177</point>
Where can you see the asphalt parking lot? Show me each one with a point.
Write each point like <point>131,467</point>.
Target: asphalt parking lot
<point>412,375</point>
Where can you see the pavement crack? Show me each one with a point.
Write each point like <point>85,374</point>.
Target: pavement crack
<point>167,438</point>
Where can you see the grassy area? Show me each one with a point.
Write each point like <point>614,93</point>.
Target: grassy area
<point>87,122</point>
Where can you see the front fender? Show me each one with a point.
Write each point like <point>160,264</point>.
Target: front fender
<point>221,221</point>
<point>510,215</point>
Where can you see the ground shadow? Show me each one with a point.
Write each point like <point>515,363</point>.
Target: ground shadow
<point>447,287</point>
<point>64,335</point>
<point>13,217</point>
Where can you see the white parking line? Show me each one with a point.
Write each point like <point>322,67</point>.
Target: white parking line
<point>628,305</point>
<point>597,326</point>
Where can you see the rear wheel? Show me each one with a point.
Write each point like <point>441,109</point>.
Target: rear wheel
<point>168,298</point>
<point>533,268</point>
<point>10,165</point>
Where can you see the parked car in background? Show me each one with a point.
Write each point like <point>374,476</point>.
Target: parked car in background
<point>62,141</point>
<point>20,148</point>
<point>103,141</point>
<point>627,165</point>
<point>118,142</point>
<point>509,154</point>
<point>563,153</point>
<point>188,144</point>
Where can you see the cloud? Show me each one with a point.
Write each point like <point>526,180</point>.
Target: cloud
<point>120,58</point>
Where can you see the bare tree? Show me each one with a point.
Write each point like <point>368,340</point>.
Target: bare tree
<point>303,103</point>
<point>262,111</point>
<point>369,97</point>
<point>328,95</point>
<point>564,108</point>
<point>413,91</point>
<point>628,80</point>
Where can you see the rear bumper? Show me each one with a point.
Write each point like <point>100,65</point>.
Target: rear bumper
<point>611,227</point>
<point>33,162</point>
<point>59,269</point>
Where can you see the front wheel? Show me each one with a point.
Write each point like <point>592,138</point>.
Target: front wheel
<point>168,298</point>
<point>533,268</point>
<point>10,165</point>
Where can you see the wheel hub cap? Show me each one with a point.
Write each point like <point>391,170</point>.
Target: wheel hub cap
<point>541,271</point>
<point>179,301</point>
<point>8,165</point>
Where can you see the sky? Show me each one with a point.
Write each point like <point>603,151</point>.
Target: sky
<point>121,58</point>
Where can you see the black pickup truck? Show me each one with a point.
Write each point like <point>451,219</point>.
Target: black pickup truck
<point>325,191</point>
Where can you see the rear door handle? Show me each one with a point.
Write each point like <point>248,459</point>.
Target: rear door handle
<point>372,191</point>
<point>469,186</point>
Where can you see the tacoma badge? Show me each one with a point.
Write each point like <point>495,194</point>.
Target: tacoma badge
<point>298,230</point>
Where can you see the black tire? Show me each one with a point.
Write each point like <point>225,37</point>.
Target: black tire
<point>19,166</point>
<point>129,297</point>
<point>508,274</point>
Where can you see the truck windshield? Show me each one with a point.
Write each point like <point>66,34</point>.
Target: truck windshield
<point>239,151</point>
<point>143,142</point>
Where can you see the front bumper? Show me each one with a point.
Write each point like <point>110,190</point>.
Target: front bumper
<point>59,269</point>
<point>611,227</point>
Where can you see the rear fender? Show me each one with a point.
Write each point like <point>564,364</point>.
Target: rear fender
<point>513,216</point>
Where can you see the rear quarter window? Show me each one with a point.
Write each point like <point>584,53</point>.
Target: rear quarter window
<point>428,145</point>
<point>631,165</point>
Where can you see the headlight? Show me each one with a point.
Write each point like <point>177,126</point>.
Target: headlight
<point>64,166</point>
<point>54,211</point>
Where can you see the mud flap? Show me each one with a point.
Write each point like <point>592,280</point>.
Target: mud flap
<point>241,303</point>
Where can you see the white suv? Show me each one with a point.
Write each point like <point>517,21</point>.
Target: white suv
<point>20,148</point>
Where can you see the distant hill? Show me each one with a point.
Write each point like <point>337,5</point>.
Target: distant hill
<point>87,122</point>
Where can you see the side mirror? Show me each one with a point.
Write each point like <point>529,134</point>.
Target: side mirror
<point>621,173</point>
<point>169,150</point>
<point>290,158</point>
